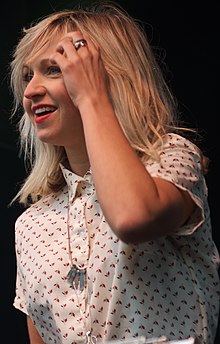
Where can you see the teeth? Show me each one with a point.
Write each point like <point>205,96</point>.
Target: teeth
<point>44,109</point>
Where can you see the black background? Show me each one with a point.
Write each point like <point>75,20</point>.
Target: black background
<point>187,35</point>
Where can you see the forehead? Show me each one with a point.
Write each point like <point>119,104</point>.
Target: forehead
<point>42,50</point>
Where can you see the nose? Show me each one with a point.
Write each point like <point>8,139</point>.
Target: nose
<point>34,88</point>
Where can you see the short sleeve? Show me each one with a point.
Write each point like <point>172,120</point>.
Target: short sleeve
<point>20,290</point>
<point>180,164</point>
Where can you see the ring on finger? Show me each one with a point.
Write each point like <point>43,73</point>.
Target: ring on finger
<point>80,43</point>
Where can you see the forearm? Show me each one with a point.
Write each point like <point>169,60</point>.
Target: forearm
<point>121,180</point>
<point>137,206</point>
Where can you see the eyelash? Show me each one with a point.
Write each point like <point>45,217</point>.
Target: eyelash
<point>51,70</point>
<point>27,77</point>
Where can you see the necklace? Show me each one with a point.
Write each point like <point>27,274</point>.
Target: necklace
<point>77,279</point>
<point>77,276</point>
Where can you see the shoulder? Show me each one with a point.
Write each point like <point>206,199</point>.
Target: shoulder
<point>38,209</point>
<point>180,142</point>
<point>178,151</point>
<point>180,163</point>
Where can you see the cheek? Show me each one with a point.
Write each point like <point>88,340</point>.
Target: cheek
<point>28,113</point>
<point>27,105</point>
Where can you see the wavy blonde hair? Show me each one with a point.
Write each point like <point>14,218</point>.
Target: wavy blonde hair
<point>140,96</point>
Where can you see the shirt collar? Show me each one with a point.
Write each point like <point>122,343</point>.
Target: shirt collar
<point>73,180</point>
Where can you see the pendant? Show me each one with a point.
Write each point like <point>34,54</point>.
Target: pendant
<point>90,339</point>
<point>76,278</point>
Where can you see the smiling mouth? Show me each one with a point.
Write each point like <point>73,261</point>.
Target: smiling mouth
<point>44,110</point>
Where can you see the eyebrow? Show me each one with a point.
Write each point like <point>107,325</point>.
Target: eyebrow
<point>41,63</point>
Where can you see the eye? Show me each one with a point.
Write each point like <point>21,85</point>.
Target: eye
<point>53,70</point>
<point>27,77</point>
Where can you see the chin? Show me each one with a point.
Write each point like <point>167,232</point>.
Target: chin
<point>48,140</point>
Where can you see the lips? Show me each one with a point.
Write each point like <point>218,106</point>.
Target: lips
<point>42,111</point>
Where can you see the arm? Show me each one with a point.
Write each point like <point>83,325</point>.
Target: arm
<point>137,206</point>
<point>33,333</point>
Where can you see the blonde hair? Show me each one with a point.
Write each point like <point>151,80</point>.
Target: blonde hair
<point>141,98</point>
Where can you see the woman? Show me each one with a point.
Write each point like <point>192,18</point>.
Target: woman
<point>116,239</point>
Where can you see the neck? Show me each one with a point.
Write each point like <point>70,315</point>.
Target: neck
<point>78,162</point>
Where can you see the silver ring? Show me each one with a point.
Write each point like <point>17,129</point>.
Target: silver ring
<point>80,43</point>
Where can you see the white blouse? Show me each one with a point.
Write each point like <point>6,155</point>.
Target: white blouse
<point>167,286</point>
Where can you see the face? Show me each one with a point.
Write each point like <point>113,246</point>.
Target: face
<point>47,102</point>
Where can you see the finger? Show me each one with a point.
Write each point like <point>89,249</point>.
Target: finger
<point>70,46</point>
<point>57,59</point>
<point>80,43</point>
<point>65,45</point>
<point>92,47</point>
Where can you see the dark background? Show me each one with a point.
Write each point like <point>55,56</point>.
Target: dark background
<point>187,35</point>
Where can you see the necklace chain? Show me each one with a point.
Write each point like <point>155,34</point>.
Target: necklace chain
<point>77,279</point>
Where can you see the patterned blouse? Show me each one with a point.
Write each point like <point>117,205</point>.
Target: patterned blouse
<point>168,286</point>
